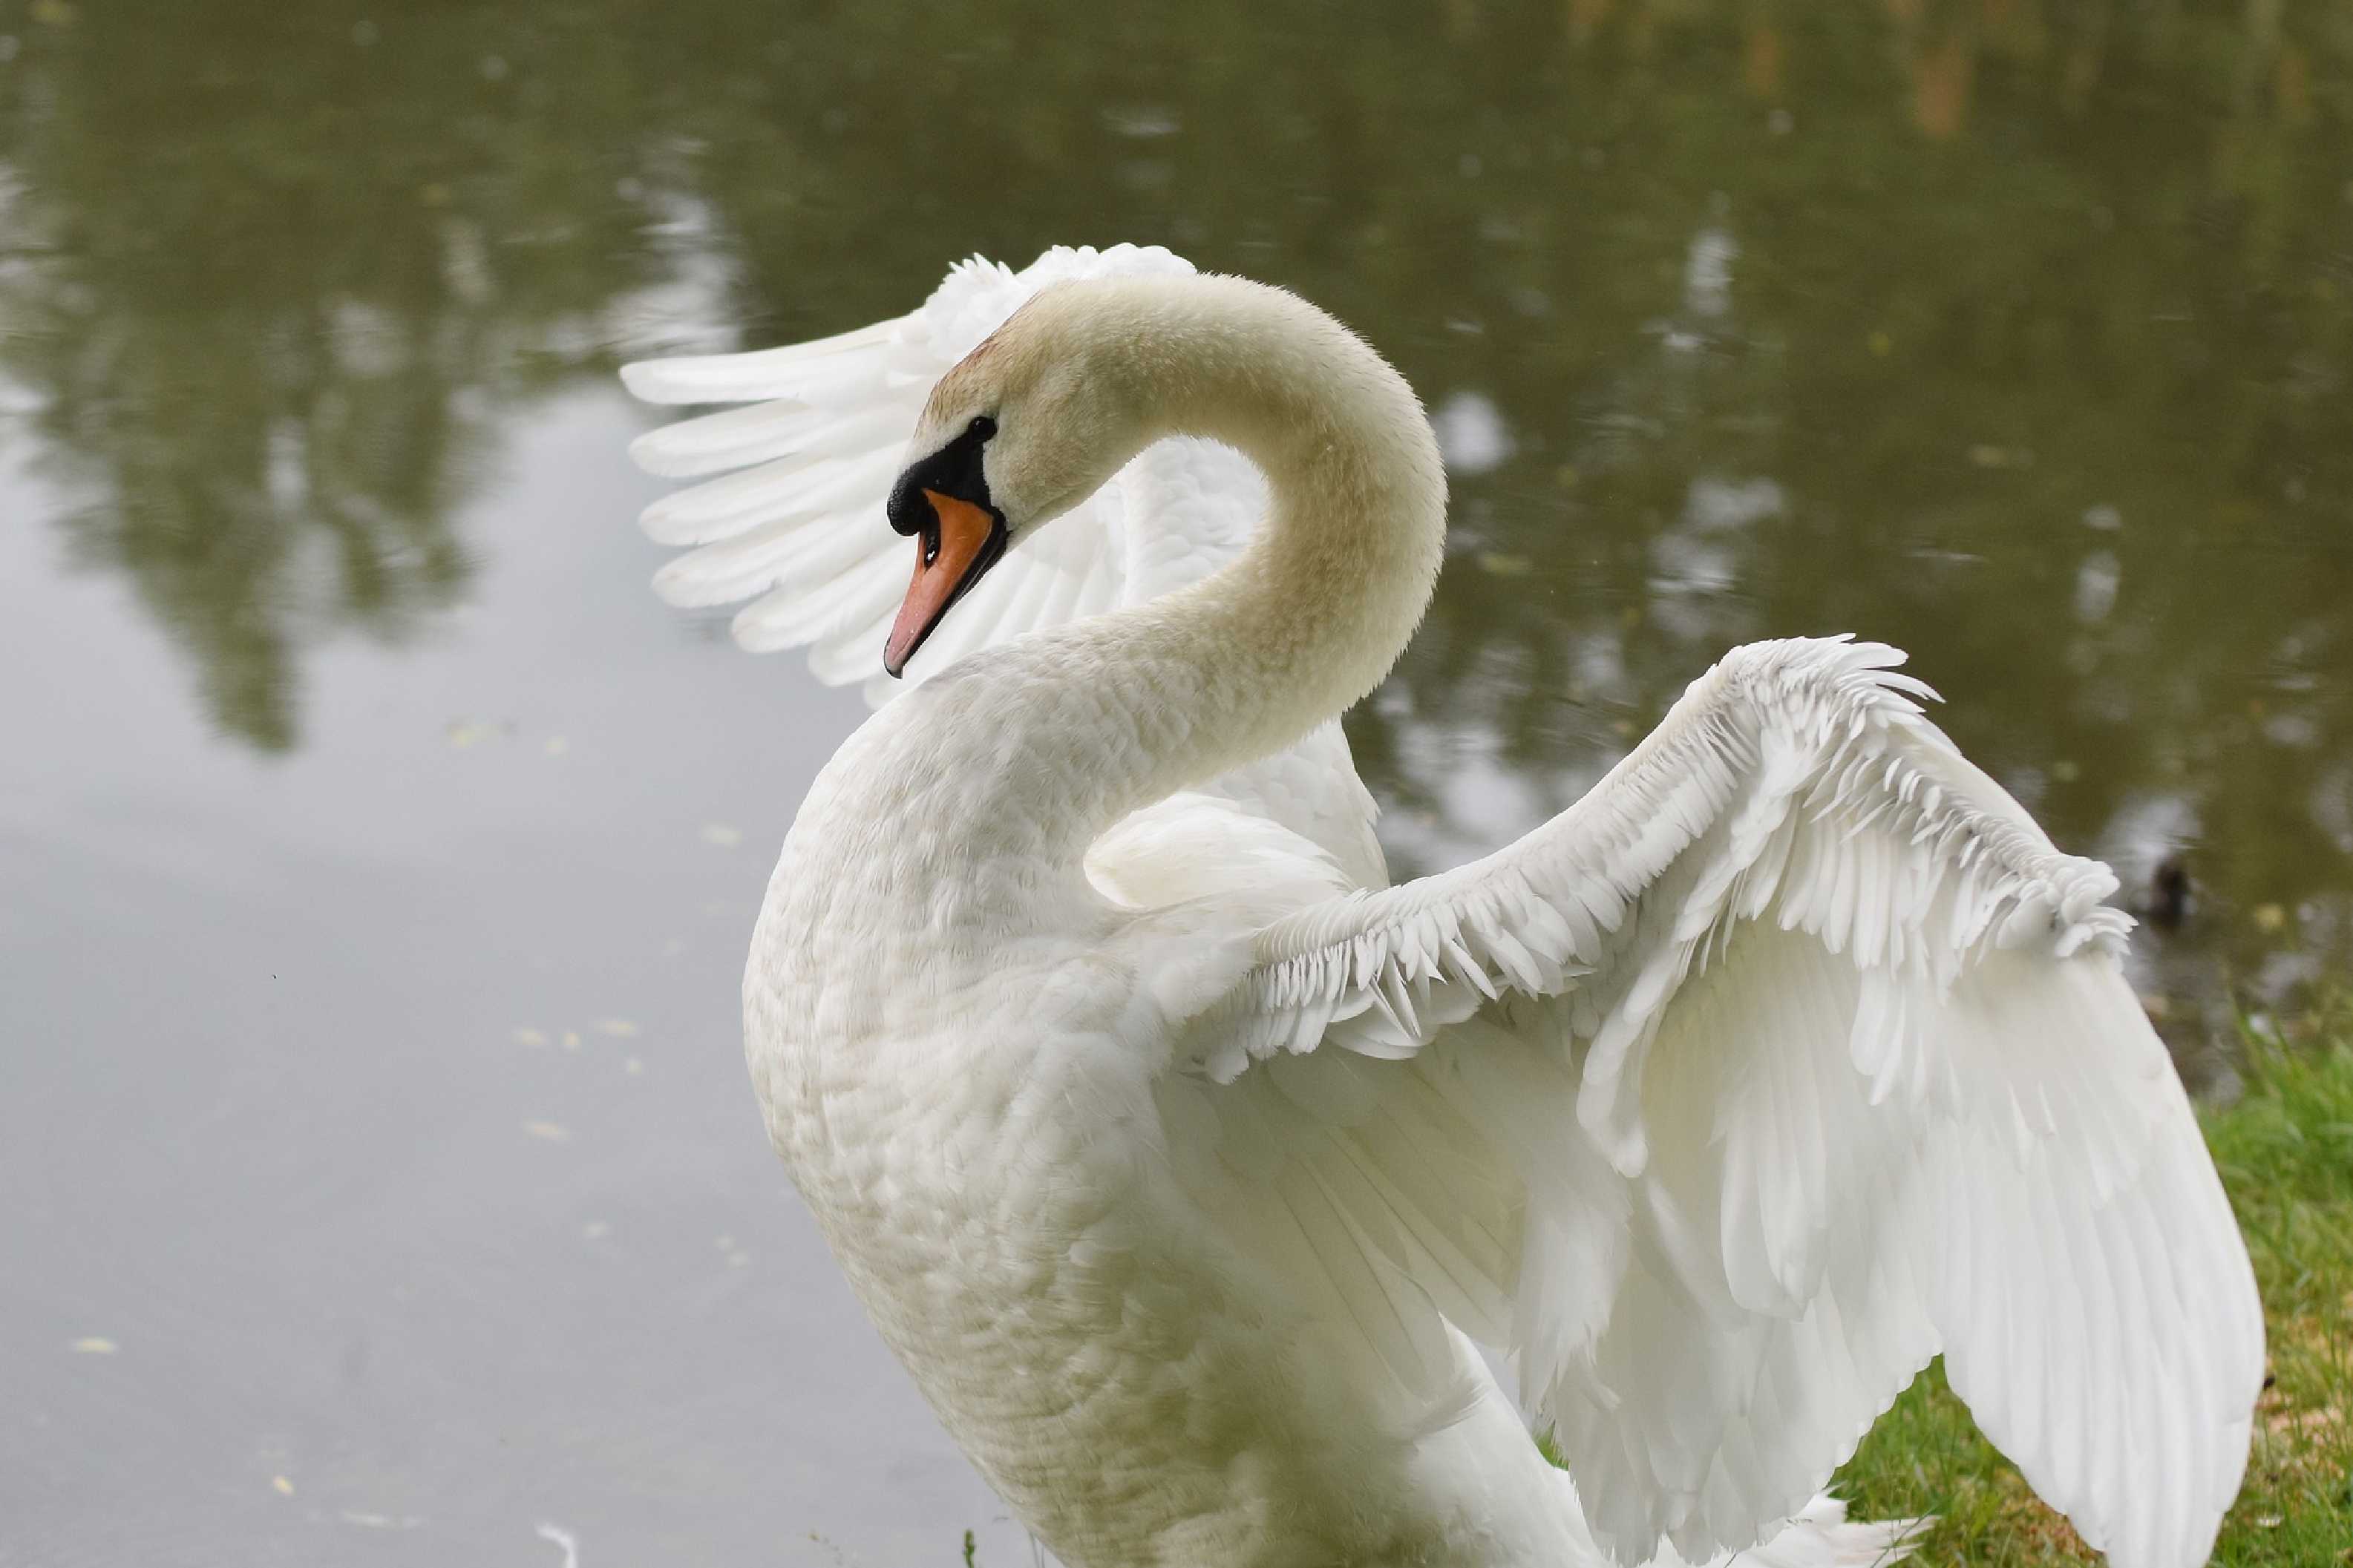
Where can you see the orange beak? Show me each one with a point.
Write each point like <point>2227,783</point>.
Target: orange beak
<point>962,542</point>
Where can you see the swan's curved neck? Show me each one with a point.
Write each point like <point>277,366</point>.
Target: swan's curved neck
<point>1124,710</point>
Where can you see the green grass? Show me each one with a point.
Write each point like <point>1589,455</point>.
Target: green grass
<point>2286,1152</point>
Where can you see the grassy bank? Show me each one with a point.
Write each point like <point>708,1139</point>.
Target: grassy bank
<point>2286,1152</point>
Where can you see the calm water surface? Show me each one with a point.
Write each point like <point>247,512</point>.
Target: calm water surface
<point>378,1181</point>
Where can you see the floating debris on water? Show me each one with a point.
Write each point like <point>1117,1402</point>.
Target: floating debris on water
<point>549,1132</point>
<point>380,1521</point>
<point>722,836</point>
<point>463,732</point>
<point>620,1028</point>
<point>571,1039</point>
<point>281,1486</point>
<point>94,1345</point>
<point>526,1036</point>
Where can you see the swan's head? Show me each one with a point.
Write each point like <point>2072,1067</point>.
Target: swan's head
<point>1028,426</point>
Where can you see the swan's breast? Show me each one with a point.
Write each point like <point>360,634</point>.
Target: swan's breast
<point>979,1144</point>
<point>957,1064</point>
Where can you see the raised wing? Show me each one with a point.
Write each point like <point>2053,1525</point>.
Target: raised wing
<point>793,520</point>
<point>1801,1057</point>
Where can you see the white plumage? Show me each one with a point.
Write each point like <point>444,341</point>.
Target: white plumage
<point>1181,1158</point>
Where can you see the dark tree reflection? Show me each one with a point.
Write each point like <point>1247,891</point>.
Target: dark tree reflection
<point>275,279</point>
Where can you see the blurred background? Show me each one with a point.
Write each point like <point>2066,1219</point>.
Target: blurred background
<point>378,1180</point>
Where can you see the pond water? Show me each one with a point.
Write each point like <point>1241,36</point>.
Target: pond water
<point>378,1181</point>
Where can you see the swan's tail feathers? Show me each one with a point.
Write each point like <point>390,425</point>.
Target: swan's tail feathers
<point>1821,1536</point>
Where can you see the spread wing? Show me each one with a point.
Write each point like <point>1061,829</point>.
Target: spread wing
<point>1790,1057</point>
<point>787,512</point>
<point>787,515</point>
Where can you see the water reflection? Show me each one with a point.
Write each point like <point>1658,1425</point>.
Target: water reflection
<point>2017,334</point>
<point>274,284</point>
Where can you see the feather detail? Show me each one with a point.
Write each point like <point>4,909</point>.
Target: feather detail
<point>1847,1037</point>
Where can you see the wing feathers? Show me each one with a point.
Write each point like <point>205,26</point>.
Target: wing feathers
<point>792,487</point>
<point>787,490</point>
<point>821,370</point>
<point>1809,1058</point>
<point>741,436</point>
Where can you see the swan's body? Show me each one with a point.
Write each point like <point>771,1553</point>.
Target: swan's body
<point>1180,1159</point>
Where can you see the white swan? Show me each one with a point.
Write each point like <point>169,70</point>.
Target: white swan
<point>1181,1159</point>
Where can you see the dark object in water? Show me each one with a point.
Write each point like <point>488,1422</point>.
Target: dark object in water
<point>2169,894</point>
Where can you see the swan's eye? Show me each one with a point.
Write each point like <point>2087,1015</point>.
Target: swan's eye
<point>981,428</point>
